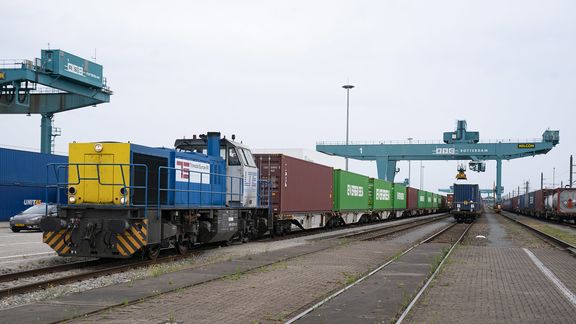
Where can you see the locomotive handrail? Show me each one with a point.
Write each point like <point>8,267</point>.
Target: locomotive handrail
<point>57,167</point>
<point>200,191</point>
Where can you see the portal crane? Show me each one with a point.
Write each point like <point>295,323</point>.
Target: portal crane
<point>56,82</point>
<point>458,145</point>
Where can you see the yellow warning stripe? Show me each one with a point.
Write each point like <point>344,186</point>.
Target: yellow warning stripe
<point>131,239</point>
<point>120,249</point>
<point>58,246</point>
<point>65,250</point>
<point>126,245</point>
<point>56,237</point>
<point>137,234</point>
<point>48,236</point>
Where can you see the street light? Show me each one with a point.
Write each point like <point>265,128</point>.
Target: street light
<point>347,87</point>
<point>421,175</point>
<point>409,162</point>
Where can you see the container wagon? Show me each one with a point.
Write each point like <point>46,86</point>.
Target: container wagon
<point>558,204</point>
<point>301,192</point>
<point>468,203</point>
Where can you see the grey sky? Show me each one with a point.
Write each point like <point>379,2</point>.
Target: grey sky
<point>271,73</point>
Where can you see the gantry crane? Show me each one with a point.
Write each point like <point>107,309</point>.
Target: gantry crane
<point>458,145</point>
<point>58,81</point>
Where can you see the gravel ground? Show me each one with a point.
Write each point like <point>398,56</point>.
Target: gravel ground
<point>206,257</point>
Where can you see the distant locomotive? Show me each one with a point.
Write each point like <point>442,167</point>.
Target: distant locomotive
<point>125,199</point>
<point>559,204</point>
<point>467,204</point>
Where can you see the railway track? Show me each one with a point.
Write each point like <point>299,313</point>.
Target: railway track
<point>433,237</point>
<point>98,268</point>
<point>463,228</point>
<point>547,237</point>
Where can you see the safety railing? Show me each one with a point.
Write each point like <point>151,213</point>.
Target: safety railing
<point>61,172</point>
<point>198,189</point>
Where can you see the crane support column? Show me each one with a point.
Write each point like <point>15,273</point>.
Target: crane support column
<point>46,134</point>
<point>386,168</point>
<point>498,180</point>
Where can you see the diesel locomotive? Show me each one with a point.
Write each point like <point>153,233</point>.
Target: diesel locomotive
<point>125,199</point>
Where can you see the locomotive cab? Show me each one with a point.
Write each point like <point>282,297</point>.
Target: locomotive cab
<point>242,180</point>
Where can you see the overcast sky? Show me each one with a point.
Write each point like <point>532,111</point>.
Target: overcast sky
<point>271,72</point>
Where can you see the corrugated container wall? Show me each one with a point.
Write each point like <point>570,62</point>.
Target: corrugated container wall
<point>412,196</point>
<point>400,196</point>
<point>350,191</point>
<point>298,186</point>
<point>23,178</point>
<point>382,195</point>
<point>421,199</point>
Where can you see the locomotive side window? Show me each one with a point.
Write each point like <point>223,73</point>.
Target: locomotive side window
<point>233,158</point>
<point>248,156</point>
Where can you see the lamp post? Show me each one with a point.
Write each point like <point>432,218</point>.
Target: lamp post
<point>409,162</point>
<point>347,87</point>
<point>421,175</point>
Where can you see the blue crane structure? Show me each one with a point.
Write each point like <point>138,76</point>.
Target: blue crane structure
<point>56,82</point>
<point>458,145</point>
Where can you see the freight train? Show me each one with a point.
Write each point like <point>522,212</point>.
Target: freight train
<point>467,203</point>
<point>125,199</point>
<point>558,204</point>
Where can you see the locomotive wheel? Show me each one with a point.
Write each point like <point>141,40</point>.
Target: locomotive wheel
<point>182,247</point>
<point>153,251</point>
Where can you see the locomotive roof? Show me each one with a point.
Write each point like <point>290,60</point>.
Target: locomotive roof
<point>198,144</point>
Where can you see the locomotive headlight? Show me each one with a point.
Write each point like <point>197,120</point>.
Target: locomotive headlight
<point>98,147</point>
<point>472,206</point>
<point>457,205</point>
<point>71,199</point>
<point>122,200</point>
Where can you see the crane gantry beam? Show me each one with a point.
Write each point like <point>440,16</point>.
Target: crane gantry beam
<point>458,145</point>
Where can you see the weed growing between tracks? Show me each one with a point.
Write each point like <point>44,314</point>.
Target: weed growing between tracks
<point>556,232</point>
<point>438,259</point>
<point>350,278</point>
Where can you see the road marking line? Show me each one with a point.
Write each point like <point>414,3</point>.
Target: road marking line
<point>21,243</point>
<point>26,255</point>
<point>552,277</point>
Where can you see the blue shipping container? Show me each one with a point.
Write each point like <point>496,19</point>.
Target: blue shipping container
<point>466,195</point>
<point>23,177</point>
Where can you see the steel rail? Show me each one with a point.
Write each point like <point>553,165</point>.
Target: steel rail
<point>545,236</point>
<point>332,296</point>
<point>419,294</point>
<point>86,275</point>
<point>48,270</point>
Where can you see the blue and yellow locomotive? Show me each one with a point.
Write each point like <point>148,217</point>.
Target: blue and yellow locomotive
<point>126,199</point>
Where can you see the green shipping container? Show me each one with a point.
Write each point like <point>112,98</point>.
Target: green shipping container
<point>437,201</point>
<point>429,199</point>
<point>421,199</point>
<point>399,196</point>
<point>381,194</point>
<point>351,191</point>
